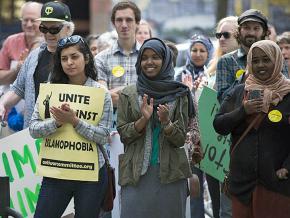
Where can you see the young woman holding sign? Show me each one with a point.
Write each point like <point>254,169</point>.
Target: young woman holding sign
<point>257,116</point>
<point>73,64</point>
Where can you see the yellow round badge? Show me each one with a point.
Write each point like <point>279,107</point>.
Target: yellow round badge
<point>275,116</point>
<point>118,71</point>
<point>239,73</point>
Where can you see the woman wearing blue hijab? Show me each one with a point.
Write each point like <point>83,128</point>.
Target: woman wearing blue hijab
<point>152,121</point>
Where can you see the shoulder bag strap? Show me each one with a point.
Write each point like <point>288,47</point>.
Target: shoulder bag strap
<point>257,118</point>
<point>107,162</point>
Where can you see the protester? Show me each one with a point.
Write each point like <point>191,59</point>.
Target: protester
<point>256,115</point>
<point>253,27</point>
<point>198,56</point>
<point>92,41</point>
<point>73,64</point>
<point>143,31</point>
<point>152,121</point>
<point>17,46</point>
<point>38,64</point>
<point>283,41</point>
<point>116,64</point>
<point>226,33</point>
<point>12,55</point>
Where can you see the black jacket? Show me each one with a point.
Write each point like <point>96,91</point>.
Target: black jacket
<point>262,151</point>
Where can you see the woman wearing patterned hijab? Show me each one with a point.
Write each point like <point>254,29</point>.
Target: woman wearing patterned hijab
<point>198,56</point>
<point>260,161</point>
<point>152,120</point>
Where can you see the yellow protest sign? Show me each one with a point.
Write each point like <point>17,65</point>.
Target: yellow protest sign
<point>66,154</point>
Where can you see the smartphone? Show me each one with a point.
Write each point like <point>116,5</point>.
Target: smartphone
<point>255,94</point>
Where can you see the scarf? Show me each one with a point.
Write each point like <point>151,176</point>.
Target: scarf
<point>277,86</point>
<point>207,44</point>
<point>162,88</point>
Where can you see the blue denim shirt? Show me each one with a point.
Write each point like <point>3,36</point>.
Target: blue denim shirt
<point>24,86</point>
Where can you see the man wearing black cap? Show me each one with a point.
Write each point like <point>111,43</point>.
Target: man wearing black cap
<point>55,24</point>
<point>253,27</point>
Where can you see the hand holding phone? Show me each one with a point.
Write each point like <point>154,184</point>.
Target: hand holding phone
<point>254,101</point>
<point>255,94</point>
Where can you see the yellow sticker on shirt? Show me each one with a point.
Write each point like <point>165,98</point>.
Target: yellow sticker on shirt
<point>118,71</point>
<point>275,116</point>
<point>239,73</point>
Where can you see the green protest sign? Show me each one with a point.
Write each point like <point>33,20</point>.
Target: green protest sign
<point>215,146</point>
<point>18,158</point>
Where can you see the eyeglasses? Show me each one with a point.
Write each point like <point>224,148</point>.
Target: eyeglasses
<point>26,20</point>
<point>71,40</point>
<point>51,30</point>
<point>226,35</point>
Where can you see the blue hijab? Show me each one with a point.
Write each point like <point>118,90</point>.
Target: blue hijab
<point>162,88</point>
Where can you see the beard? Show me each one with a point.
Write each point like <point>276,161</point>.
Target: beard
<point>249,40</point>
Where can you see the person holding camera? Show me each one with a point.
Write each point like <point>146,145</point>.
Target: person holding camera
<point>256,114</point>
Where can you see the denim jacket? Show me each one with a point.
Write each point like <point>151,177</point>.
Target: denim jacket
<point>24,87</point>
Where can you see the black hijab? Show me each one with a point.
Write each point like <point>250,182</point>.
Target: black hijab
<point>162,88</point>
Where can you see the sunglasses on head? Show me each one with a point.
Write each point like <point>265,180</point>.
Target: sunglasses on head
<point>226,35</point>
<point>51,30</point>
<point>199,37</point>
<point>71,40</point>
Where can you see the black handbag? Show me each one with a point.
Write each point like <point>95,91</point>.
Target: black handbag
<point>110,194</point>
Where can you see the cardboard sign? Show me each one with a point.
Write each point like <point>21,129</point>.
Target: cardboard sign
<point>18,159</point>
<point>215,146</point>
<point>66,154</point>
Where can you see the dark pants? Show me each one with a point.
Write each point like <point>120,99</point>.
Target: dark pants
<point>55,195</point>
<point>264,204</point>
<point>214,191</point>
<point>197,203</point>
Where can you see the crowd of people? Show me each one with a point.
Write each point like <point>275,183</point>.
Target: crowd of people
<point>155,111</point>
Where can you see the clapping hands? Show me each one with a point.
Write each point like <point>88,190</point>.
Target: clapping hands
<point>64,114</point>
<point>147,110</point>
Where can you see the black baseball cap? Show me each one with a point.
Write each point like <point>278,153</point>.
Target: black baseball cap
<point>55,11</point>
<point>253,15</point>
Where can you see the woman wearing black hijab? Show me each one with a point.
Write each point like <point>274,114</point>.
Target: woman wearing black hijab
<point>152,121</point>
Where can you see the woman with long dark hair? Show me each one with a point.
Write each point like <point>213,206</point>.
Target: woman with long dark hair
<point>74,65</point>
